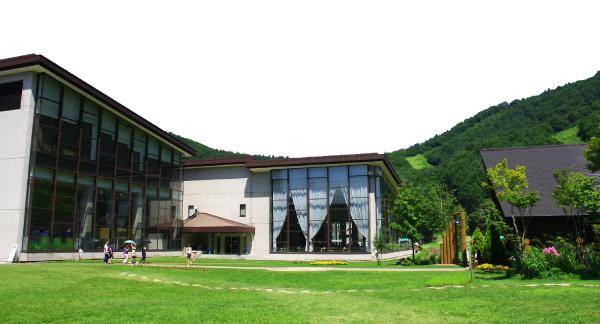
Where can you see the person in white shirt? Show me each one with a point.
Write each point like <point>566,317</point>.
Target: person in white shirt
<point>80,254</point>
<point>106,252</point>
<point>188,250</point>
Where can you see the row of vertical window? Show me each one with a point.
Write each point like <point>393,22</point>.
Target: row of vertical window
<point>319,204</point>
<point>95,177</point>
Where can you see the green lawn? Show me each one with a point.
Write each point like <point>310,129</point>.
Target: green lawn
<point>84,292</point>
<point>418,162</point>
<point>262,263</point>
<point>568,136</point>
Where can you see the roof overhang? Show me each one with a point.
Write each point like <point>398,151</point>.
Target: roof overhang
<point>372,159</point>
<point>40,64</point>
<point>208,223</point>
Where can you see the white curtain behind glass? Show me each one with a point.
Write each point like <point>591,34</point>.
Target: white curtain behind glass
<point>299,198</point>
<point>317,207</point>
<point>359,205</point>
<point>279,208</point>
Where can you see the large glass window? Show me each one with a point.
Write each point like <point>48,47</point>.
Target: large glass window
<point>89,179</point>
<point>323,209</point>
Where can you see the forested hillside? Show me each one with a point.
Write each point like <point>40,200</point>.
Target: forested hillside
<point>567,114</point>
<point>205,152</point>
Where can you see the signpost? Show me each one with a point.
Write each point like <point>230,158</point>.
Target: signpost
<point>13,252</point>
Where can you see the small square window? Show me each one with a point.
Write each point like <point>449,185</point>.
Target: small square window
<point>243,210</point>
<point>10,95</point>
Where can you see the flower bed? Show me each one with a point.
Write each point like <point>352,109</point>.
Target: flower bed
<point>491,267</point>
<point>328,263</point>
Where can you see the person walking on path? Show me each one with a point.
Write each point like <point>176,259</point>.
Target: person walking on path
<point>105,252</point>
<point>194,255</point>
<point>111,254</point>
<point>133,255</point>
<point>125,255</point>
<point>143,260</point>
<point>188,250</point>
<point>80,254</point>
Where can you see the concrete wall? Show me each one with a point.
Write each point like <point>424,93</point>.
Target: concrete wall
<point>221,190</point>
<point>15,146</point>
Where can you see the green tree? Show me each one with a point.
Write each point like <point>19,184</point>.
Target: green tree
<point>510,186</point>
<point>494,251</point>
<point>407,215</point>
<point>477,243</point>
<point>440,204</point>
<point>577,195</point>
<point>592,155</point>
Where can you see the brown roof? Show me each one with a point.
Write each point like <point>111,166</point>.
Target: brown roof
<point>33,60</point>
<point>251,163</point>
<point>218,161</point>
<point>540,162</point>
<point>207,223</point>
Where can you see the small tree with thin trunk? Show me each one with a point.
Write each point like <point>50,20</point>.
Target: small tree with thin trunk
<point>577,195</point>
<point>407,215</point>
<point>510,186</point>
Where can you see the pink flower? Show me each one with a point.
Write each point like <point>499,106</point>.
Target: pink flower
<point>551,250</point>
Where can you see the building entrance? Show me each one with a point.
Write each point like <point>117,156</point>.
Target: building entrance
<point>232,244</point>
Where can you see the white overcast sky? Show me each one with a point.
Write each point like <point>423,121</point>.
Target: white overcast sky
<point>310,78</point>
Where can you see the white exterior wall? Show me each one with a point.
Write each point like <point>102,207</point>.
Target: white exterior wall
<point>221,190</point>
<point>15,146</point>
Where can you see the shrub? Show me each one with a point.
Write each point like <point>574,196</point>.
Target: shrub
<point>427,256</point>
<point>478,242</point>
<point>535,264</point>
<point>406,263</point>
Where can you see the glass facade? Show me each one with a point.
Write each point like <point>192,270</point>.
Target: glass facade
<point>384,197</point>
<point>323,209</point>
<point>95,177</point>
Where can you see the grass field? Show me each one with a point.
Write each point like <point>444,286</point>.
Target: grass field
<point>568,136</point>
<point>204,261</point>
<point>418,162</point>
<point>86,292</point>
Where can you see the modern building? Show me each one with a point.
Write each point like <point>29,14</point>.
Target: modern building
<point>305,208</point>
<point>540,161</point>
<point>79,169</point>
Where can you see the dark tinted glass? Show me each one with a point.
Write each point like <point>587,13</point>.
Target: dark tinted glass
<point>107,143</point>
<point>69,132</point>
<point>65,184</point>
<point>105,189</point>
<point>64,209</point>
<point>67,164</point>
<point>103,213</point>
<point>46,139</point>
<point>42,194</point>
<point>88,168</point>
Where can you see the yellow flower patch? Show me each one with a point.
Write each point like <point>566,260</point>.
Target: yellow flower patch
<point>328,263</point>
<point>491,267</point>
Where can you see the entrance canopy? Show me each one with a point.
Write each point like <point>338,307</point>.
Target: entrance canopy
<point>207,223</point>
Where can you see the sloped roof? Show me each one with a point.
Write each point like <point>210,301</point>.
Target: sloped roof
<point>32,61</point>
<point>540,162</point>
<point>207,223</point>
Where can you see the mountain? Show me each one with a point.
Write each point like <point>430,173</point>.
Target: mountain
<point>565,115</point>
<point>205,152</point>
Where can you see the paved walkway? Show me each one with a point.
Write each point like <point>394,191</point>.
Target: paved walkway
<point>304,269</point>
